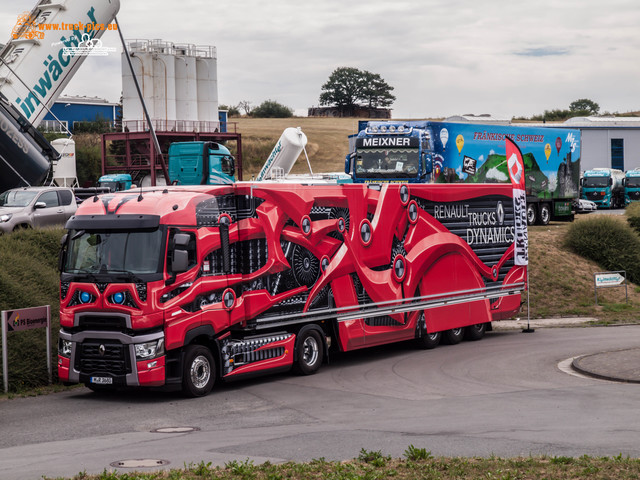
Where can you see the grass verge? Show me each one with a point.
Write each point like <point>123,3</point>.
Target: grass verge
<point>416,464</point>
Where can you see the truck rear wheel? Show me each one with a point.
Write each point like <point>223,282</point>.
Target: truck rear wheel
<point>532,214</point>
<point>429,340</point>
<point>198,371</point>
<point>475,332</point>
<point>453,336</point>
<point>309,351</point>
<point>545,214</point>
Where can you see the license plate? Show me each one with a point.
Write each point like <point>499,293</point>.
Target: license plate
<point>102,380</point>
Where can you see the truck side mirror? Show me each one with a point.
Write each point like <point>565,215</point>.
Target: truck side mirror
<point>427,163</point>
<point>610,181</point>
<point>624,182</point>
<point>181,240</point>
<point>581,182</point>
<point>63,252</point>
<point>347,164</point>
<point>180,261</point>
<point>228,165</point>
<point>180,255</point>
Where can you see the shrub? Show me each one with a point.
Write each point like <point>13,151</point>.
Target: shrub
<point>607,241</point>
<point>29,278</point>
<point>633,215</point>
<point>271,109</point>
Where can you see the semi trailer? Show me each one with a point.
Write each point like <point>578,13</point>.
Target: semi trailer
<point>180,286</point>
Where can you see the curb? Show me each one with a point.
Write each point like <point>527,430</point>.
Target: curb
<point>601,365</point>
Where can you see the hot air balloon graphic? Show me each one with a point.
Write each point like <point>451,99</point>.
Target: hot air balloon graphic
<point>558,144</point>
<point>547,151</point>
<point>459,143</point>
<point>444,137</point>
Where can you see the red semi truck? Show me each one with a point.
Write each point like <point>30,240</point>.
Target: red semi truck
<point>180,286</point>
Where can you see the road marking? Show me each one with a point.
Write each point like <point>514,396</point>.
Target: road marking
<point>566,367</point>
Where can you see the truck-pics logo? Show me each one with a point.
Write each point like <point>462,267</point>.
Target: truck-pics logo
<point>26,27</point>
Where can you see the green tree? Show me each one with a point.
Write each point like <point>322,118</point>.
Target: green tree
<point>271,109</point>
<point>232,111</point>
<point>583,107</point>
<point>348,88</point>
<point>375,91</point>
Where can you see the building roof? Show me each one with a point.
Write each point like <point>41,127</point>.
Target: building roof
<point>603,122</point>
<point>82,100</point>
<point>482,118</point>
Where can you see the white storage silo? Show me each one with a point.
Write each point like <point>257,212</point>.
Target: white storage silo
<point>207,70</point>
<point>132,111</point>
<point>46,59</point>
<point>64,169</point>
<point>186,87</point>
<point>164,88</point>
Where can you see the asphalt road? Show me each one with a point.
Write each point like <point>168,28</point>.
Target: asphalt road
<point>505,395</point>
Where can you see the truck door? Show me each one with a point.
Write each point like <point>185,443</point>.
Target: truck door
<point>47,210</point>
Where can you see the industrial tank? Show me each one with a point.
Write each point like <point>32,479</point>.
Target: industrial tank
<point>186,87</point>
<point>284,154</point>
<point>178,82</point>
<point>64,169</point>
<point>25,155</point>
<point>40,61</point>
<point>207,72</point>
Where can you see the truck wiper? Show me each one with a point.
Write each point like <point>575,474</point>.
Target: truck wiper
<point>131,277</point>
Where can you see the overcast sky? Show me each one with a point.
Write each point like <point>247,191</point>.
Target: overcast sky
<point>502,57</point>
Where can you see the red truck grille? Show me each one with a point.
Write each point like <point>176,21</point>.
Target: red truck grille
<point>101,357</point>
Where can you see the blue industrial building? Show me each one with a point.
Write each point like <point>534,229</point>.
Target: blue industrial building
<point>73,109</point>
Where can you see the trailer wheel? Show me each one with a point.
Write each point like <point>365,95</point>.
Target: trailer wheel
<point>453,336</point>
<point>198,371</point>
<point>475,332</point>
<point>309,351</point>
<point>429,340</point>
<point>545,214</point>
<point>532,214</point>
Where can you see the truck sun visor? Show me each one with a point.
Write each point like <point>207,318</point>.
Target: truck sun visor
<point>112,222</point>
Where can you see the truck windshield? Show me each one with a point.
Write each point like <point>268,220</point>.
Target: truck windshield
<point>114,252</point>
<point>110,185</point>
<point>380,163</point>
<point>16,198</point>
<point>633,182</point>
<point>596,182</point>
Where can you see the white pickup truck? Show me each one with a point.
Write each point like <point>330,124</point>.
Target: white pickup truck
<point>31,207</point>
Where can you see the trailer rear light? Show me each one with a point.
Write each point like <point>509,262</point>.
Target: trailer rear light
<point>149,350</point>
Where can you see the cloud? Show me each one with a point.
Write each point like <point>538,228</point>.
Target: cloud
<point>543,52</point>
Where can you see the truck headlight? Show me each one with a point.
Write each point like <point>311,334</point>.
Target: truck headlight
<point>6,217</point>
<point>148,350</point>
<point>64,348</point>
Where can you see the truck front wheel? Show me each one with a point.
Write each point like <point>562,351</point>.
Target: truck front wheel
<point>532,214</point>
<point>309,351</point>
<point>198,371</point>
<point>545,214</point>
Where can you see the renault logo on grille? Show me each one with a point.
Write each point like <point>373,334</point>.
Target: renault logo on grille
<point>500,213</point>
<point>102,350</point>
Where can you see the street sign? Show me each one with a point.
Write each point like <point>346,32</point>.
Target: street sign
<point>24,319</point>
<point>610,279</point>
